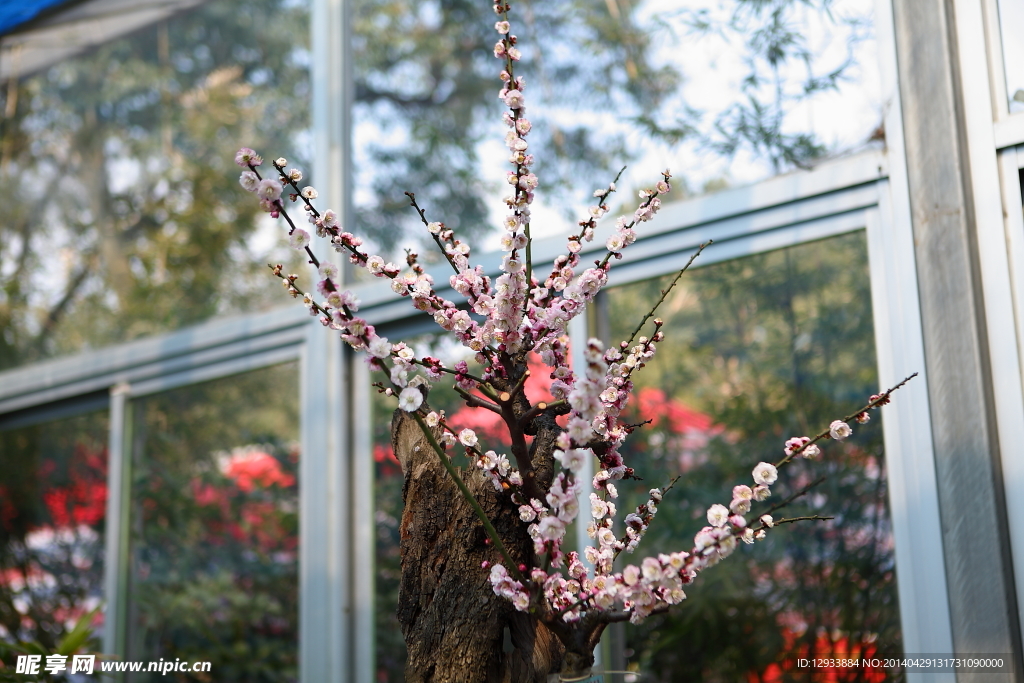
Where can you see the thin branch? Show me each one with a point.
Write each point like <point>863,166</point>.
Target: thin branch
<point>58,310</point>
<point>537,410</point>
<point>441,368</point>
<point>783,503</point>
<point>280,205</point>
<point>437,240</point>
<point>477,402</point>
<point>882,399</point>
<point>665,292</point>
<point>809,518</point>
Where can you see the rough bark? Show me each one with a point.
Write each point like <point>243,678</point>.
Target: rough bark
<point>455,628</point>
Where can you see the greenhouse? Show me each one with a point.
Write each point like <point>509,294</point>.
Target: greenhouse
<point>222,487</point>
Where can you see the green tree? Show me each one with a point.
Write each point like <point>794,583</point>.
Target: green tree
<point>121,218</point>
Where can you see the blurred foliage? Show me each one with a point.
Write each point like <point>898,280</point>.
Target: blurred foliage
<point>215,527</point>
<point>123,216</point>
<point>757,350</point>
<point>435,79</point>
<point>53,495</point>
<point>75,641</point>
<point>389,642</point>
<point>775,46</point>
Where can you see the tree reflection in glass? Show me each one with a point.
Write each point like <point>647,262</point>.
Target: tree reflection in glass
<point>758,350</point>
<point>53,497</point>
<point>215,526</point>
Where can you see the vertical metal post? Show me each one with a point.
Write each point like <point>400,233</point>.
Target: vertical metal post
<point>968,394</point>
<point>327,548</point>
<point>333,94</point>
<point>363,550</point>
<point>116,564</point>
<point>1013,464</point>
<point>579,332</point>
<point>899,345</point>
<point>578,335</point>
<point>324,522</point>
<point>613,644</point>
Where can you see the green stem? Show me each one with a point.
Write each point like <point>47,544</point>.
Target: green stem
<point>492,533</point>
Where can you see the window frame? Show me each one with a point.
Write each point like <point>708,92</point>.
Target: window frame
<point>864,191</point>
<point>336,470</point>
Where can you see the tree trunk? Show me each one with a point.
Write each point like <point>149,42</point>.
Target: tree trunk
<point>455,627</point>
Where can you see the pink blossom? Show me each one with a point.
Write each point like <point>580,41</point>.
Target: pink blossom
<point>247,157</point>
<point>513,99</point>
<point>269,189</point>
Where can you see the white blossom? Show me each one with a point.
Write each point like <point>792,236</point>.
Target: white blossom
<point>765,474</point>
<point>269,189</point>
<point>468,438</point>
<point>718,515</point>
<point>410,399</point>
<point>249,180</point>
<point>839,430</point>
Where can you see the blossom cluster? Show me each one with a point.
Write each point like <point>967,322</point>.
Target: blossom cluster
<point>501,321</point>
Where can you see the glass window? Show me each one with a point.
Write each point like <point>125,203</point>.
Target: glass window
<point>1011,23</point>
<point>758,350</point>
<point>123,216</point>
<point>214,519</point>
<point>53,497</point>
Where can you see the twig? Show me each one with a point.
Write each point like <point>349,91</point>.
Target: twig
<point>882,399</point>
<point>426,223</point>
<point>665,292</point>
<point>783,503</point>
<point>477,402</point>
<point>537,410</point>
<point>789,520</point>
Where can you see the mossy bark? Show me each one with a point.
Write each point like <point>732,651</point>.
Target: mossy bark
<point>456,629</point>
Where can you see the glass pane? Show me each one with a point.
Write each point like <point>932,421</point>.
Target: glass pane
<point>130,149</point>
<point>215,526</point>
<point>757,350</point>
<point>1011,26</point>
<point>53,497</point>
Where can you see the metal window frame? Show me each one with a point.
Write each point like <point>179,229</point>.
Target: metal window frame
<point>1011,161</point>
<point>1008,128</point>
<point>970,56</point>
<point>864,191</point>
<point>997,203</point>
<point>336,537</point>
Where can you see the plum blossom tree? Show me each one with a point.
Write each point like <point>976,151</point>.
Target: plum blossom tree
<point>485,562</point>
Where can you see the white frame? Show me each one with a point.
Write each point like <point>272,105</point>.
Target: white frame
<point>336,537</point>
<point>1008,128</point>
<point>996,199</point>
<point>865,191</point>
